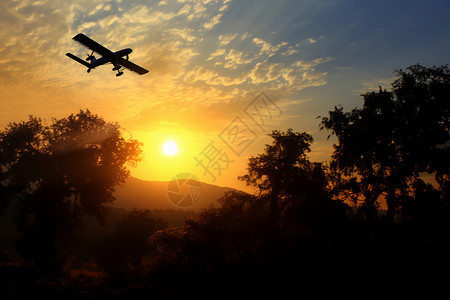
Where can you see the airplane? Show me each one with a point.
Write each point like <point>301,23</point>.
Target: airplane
<point>115,58</point>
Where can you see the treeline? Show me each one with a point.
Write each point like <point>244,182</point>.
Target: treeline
<point>367,216</point>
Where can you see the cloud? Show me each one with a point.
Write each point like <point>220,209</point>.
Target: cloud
<point>143,15</point>
<point>226,38</point>
<point>213,21</point>
<point>294,77</point>
<point>168,59</point>
<point>193,11</point>
<point>100,7</point>
<point>245,35</point>
<point>87,25</point>
<point>290,52</point>
<point>223,7</point>
<point>217,53</point>
<point>24,37</point>
<point>184,33</point>
<point>210,77</point>
<point>235,58</point>
<point>267,48</point>
<point>168,38</point>
<point>185,10</point>
<point>265,72</point>
<point>105,22</point>
<point>312,63</point>
<point>298,80</point>
<point>374,84</point>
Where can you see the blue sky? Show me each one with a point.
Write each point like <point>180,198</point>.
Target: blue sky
<point>208,59</point>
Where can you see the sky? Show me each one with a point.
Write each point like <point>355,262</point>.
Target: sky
<point>223,74</point>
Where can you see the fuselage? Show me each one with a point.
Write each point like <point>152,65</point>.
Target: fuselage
<point>110,58</point>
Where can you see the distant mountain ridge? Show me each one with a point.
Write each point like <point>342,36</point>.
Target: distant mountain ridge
<point>138,193</point>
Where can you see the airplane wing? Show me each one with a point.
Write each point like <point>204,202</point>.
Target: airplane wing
<point>132,67</point>
<point>75,58</point>
<point>93,45</point>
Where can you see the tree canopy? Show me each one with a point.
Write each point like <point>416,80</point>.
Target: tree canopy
<point>57,173</point>
<point>309,225</point>
<point>397,136</point>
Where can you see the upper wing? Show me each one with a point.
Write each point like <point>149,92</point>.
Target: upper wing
<point>132,67</point>
<point>93,45</point>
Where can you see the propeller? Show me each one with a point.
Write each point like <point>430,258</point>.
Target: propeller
<point>91,56</point>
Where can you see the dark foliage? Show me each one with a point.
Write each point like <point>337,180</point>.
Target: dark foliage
<point>122,253</point>
<point>311,228</point>
<point>397,136</point>
<point>55,174</point>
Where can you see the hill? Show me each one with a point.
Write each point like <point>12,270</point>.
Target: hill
<point>161,195</point>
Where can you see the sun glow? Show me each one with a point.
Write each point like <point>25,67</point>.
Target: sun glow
<point>170,148</point>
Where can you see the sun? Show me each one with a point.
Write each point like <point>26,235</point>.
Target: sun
<point>170,148</point>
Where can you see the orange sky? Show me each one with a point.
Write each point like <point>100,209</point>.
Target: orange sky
<point>208,60</point>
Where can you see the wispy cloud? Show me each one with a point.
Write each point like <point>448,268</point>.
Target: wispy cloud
<point>213,21</point>
<point>225,39</point>
<point>267,48</point>
<point>189,58</point>
<point>217,53</point>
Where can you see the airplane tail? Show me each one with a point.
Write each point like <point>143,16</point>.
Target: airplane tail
<point>77,59</point>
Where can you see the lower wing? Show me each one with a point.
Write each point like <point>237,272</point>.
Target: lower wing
<point>132,67</point>
<point>77,59</point>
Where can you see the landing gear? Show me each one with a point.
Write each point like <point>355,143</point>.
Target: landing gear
<point>89,70</point>
<point>117,68</point>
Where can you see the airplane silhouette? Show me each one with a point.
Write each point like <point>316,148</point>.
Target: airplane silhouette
<point>115,58</point>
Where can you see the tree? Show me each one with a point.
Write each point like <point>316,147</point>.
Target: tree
<point>55,174</point>
<point>223,246</point>
<point>385,146</point>
<point>285,177</point>
<point>122,252</point>
<point>275,169</point>
<point>273,239</point>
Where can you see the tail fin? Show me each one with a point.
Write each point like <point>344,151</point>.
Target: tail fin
<point>77,59</point>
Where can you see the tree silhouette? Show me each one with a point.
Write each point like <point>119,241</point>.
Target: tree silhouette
<point>276,169</point>
<point>270,239</point>
<point>55,174</point>
<point>287,180</point>
<point>121,253</point>
<point>385,146</point>
<point>223,245</point>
